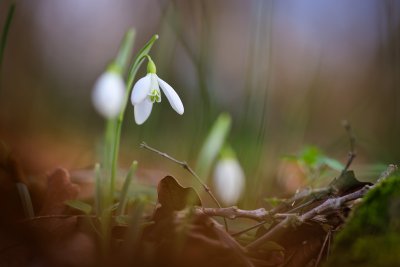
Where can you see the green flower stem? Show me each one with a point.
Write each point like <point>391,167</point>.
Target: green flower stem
<point>117,137</point>
<point>99,189</point>
<point>108,144</point>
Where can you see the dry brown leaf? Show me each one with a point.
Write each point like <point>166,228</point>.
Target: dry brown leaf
<point>59,189</point>
<point>174,197</point>
<point>59,238</point>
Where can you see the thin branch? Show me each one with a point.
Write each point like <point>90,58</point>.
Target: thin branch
<point>332,203</point>
<point>233,213</point>
<point>232,243</point>
<point>184,165</point>
<point>316,194</point>
<point>321,193</point>
<point>306,204</point>
<point>390,169</point>
<point>278,230</point>
<point>328,249</point>
<point>249,229</point>
<point>352,141</point>
<point>327,237</point>
<point>55,216</point>
<point>335,203</point>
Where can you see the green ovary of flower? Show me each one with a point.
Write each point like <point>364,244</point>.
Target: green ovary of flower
<point>155,96</point>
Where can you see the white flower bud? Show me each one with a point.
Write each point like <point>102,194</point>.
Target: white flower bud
<point>108,94</point>
<point>229,180</point>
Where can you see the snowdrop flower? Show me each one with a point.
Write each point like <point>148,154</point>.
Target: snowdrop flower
<point>108,94</point>
<point>229,179</point>
<point>146,92</point>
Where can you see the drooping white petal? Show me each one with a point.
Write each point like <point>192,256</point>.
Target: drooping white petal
<point>142,111</point>
<point>172,96</point>
<point>141,89</point>
<point>108,94</point>
<point>229,181</point>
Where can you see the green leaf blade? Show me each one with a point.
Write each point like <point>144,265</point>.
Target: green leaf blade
<point>332,163</point>
<point>213,144</point>
<point>6,28</point>
<point>25,200</point>
<point>125,188</point>
<point>126,49</point>
<point>79,205</point>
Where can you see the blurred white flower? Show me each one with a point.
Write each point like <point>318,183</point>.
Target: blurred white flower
<point>229,180</point>
<point>146,91</point>
<point>108,94</point>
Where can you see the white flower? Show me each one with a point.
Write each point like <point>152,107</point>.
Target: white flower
<point>229,180</point>
<point>108,94</point>
<point>146,92</point>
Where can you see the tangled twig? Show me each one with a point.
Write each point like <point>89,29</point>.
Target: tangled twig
<point>186,166</point>
<point>329,204</point>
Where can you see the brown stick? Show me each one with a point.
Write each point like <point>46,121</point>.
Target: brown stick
<point>278,230</point>
<point>248,229</point>
<point>239,250</point>
<point>186,166</point>
<point>233,213</point>
<point>352,152</point>
<point>322,192</point>
<point>55,216</point>
<point>327,237</point>
<point>335,203</point>
<point>332,203</point>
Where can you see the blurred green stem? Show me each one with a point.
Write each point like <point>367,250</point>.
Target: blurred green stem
<point>108,144</point>
<point>4,34</point>
<point>113,130</point>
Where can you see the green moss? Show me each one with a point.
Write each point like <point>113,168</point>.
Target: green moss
<point>371,237</point>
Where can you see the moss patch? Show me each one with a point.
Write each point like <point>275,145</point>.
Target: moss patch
<point>371,237</point>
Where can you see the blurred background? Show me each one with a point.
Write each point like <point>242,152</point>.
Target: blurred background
<point>288,72</point>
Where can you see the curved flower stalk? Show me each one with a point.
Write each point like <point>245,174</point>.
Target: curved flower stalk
<point>229,178</point>
<point>108,94</point>
<point>146,92</point>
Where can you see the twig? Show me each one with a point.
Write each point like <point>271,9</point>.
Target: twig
<point>352,152</point>
<point>184,165</point>
<point>335,203</point>
<point>55,216</point>
<point>306,204</point>
<point>278,230</point>
<point>332,203</point>
<point>233,213</point>
<point>317,194</point>
<point>249,229</point>
<point>321,193</point>
<point>390,169</point>
<point>328,249</point>
<point>327,237</point>
<point>232,243</point>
